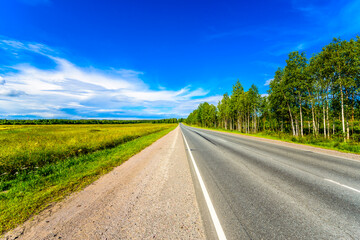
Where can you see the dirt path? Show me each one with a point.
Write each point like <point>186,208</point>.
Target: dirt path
<point>151,196</point>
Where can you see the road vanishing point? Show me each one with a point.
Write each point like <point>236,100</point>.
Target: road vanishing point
<point>201,184</point>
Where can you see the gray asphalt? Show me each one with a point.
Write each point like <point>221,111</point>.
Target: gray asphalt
<point>267,191</point>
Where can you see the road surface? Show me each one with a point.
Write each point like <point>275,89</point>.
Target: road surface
<point>262,190</point>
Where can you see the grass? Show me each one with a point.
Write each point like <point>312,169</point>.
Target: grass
<point>31,147</point>
<point>333,144</point>
<point>29,192</point>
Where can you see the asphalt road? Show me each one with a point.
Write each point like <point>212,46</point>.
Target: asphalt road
<point>262,190</point>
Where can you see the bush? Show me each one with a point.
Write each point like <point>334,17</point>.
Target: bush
<point>356,137</point>
<point>293,139</point>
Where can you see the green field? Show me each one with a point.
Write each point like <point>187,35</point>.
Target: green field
<point>30,147</point>
<point>43,164</point>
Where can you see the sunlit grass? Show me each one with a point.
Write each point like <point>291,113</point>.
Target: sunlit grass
<point>29,192</point>
<point>30,147</point>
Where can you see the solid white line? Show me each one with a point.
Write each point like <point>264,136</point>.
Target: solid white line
<point>354,189</point>
<point>214,217</point>
<point>220,139</point>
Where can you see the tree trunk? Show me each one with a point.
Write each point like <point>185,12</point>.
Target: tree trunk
<point>318,125</point>
<point>327,117</point>
<point>291,120</point>
<point>301,120</point>
<point>244,125</point>
<point>313,118</point>
<point>347,127</point>
<point>352,114</point>
<point>248,124</point>
<point>239,119</point>
<point>324,118</point>
<point>342,111</point>
<point>254,120</point>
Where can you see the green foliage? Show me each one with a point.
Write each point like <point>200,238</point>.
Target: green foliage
<point>205,115</point>
<point>317,98</point>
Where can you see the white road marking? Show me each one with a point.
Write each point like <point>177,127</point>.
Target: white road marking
<point>214,217</point>
<point>222,140</point>
<point>345,186</point>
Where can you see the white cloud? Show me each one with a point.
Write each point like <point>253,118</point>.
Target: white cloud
<point>267,83</point>
<point>10,92</point>
<point>71,91</point>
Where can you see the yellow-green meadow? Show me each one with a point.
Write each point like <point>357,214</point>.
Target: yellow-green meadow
<point>43,164</point>
<point>27,147</point>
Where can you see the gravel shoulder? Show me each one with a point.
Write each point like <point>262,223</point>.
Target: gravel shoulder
<point>151,196</point>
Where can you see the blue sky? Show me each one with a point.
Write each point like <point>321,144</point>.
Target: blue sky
<point>151,59</point>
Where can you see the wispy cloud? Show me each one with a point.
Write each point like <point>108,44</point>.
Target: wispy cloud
<point>284,48</point>
<point>70,91</point>
<point>267,82</point>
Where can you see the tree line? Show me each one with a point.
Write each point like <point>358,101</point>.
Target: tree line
<point>317,96</point>
<point>82,121</point>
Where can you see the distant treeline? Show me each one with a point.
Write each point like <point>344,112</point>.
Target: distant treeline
<point>315,97</point>
<point>83,121</point>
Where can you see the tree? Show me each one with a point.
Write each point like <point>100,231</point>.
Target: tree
<point>303,94</point>
<point>254,99</point>
<point>237,99</point>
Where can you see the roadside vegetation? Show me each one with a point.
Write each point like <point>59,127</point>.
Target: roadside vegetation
<point>81,121</point>
<point>312,101</point>
<point>43,164</point>
<point>25,148</point>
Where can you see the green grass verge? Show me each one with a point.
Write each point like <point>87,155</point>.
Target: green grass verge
<point>30,193</point>
<point>347,147</point>
<point>25,148</point>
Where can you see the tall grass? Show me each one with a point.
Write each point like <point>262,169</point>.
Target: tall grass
<point>29,192</point>
<point>30,147</point>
